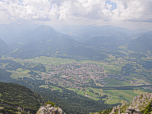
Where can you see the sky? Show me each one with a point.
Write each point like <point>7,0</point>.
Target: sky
<point>123,13</point>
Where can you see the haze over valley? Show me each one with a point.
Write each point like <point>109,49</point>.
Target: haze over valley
<point>75,57</point>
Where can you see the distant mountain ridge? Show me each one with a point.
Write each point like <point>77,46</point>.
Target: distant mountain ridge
<point>47,42</point>
<point>97,43</point>
<point>142,43</point>
<point>44,41</point>
<point>113,41</point>
<point>84,33</point>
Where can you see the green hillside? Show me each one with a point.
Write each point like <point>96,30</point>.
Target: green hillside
<point>141,44</point>
<point>111,42</point>
<point>17,98</point>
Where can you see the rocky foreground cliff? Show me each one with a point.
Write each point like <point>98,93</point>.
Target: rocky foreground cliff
<point>50,109</point>
<point>141,104</point>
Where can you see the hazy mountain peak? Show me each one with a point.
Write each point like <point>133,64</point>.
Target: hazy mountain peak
<point>45,27</point>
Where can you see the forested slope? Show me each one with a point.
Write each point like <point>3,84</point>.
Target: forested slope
<point>17,98</point>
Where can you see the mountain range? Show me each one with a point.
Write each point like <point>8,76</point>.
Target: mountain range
<point>45,41</point>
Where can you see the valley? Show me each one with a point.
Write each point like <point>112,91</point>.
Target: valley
<point>86,78</point>
<point>80,77</point>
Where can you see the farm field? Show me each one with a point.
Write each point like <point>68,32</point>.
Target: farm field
<point>108,96</point>
<point>113,96</point>
<point>20,73</point>
<point>115,82</point>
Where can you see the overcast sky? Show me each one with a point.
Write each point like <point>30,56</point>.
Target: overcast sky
<point>126,13</point>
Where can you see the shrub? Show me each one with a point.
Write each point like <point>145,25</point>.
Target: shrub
<point>50,102</point>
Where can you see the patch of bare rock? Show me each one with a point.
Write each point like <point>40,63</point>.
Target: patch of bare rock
<point>48,109</point>
<point>138,105</point>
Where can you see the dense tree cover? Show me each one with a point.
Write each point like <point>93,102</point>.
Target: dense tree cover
<point>14,95</point>
<point>137,55</point>
<point>39,67</point>
<point>127,69</point>
<point>33,73</point>
<point>68,100</point>
<point>11,65</point>
<point>5,76</point>
<point>146,64</point>
<point>8,109</point>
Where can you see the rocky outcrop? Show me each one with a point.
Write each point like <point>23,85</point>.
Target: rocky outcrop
<point>138,105</point>
<point>142,100</point>
<point>131,110</point>
<point>50,110</point>
<point>117,109</point>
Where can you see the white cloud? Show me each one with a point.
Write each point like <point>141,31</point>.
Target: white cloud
<point>65,10</point>
<point>125,10</point>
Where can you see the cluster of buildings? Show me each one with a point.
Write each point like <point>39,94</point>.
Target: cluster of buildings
<point>75,75</point>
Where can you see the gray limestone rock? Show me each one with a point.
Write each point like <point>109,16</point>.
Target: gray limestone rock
<point>119,111</point>
<point>49,110</point>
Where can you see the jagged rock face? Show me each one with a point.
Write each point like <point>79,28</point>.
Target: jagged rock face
<point>49,110</point>
<point>139,103</point>
<point>131,110</point>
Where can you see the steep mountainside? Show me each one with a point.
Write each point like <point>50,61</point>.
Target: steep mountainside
<point>141,44</point>
<point>16,98</point>
<point>4,49</point>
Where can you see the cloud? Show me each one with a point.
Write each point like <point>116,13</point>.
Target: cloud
<point>64,10</point>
